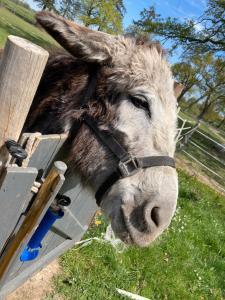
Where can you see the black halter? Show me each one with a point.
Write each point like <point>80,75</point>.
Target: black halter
<point>127,165</point>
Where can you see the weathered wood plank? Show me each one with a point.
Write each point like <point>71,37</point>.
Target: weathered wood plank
<point>21,69</point>
<point>47,192</point>
<point>83,204</point>
<point>46,147</point>
<point>15,194</point>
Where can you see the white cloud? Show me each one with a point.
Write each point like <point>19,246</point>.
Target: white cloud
<point>198,27</point>
<point>204,2</point>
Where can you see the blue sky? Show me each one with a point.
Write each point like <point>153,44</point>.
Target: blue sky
<point>173,8</point>
<point>166,8</point>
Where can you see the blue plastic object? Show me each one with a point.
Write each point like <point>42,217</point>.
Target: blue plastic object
<point>34,245</point>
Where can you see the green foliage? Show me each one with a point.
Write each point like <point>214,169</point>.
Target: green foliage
<point>211,82</point>
<point>109,19</point>
<point>203,77</point>
<point>202,70</point>
<point>185,74</point>
<point>69,8</point>
<point>187,262</point>
<point>104,15</point>
<point>46,4</point>
<point>204,34</point>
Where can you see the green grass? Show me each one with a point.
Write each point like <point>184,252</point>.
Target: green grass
<point>12,24</point>
<point>19,10</point>
<point>187,262</point>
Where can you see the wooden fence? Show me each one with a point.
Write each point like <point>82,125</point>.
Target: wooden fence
<point>30,190</point>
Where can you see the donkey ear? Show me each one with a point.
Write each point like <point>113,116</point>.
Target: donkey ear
<point>84,43</point>
<point>178,88</point>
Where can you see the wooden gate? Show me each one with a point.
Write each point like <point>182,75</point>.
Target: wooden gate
<point>24,196</point>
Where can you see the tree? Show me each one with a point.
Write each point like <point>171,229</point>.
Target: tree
<point>68,8</point>
<point>203,77</point>
<point>104,15</point>
<point>46,4</point>
<point>202,41</point>
<point>204,34</point>
<point>185,74</point>
<point>220,110</point>
<point>212,84</point>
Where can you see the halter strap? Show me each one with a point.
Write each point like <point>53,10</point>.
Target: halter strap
<point>127,165</point>
<point>107,139</point>
<point>143,162</point>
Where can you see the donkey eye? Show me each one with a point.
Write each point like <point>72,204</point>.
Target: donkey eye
<point>141,102</point>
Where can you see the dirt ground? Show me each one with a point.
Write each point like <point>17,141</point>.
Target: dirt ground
<point>187,166</point>
<point>38,286</point>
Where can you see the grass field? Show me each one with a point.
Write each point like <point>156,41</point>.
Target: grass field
<point>187,262</point>
<point>13,24</point>
<point>19,10</point>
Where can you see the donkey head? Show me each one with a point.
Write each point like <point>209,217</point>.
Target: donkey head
<point>136,86</point>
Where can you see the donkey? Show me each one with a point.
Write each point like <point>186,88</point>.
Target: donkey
<point>126,89</point>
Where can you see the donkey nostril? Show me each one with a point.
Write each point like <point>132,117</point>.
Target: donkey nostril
<point>145,218</point>
<point>155,215</point>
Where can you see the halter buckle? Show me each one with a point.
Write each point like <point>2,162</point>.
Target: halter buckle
<point>128,167</point>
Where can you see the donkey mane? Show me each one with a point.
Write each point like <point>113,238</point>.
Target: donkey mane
<point>145,42</point>
<point>63,88</point>
<point>59,104</point>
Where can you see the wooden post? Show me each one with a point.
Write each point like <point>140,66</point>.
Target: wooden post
<point>21,69</point>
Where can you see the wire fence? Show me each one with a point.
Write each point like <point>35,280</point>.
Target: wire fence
<point>204,151</point>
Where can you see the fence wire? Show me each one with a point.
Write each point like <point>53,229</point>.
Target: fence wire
<point>204,151</point>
